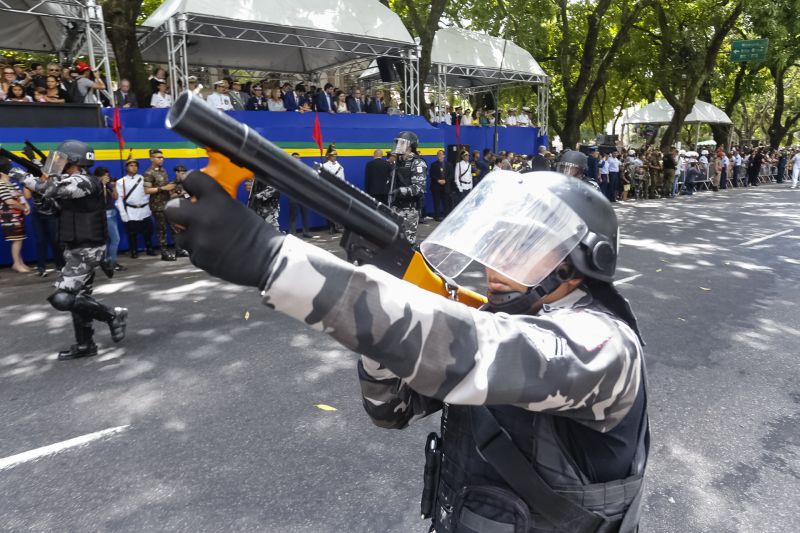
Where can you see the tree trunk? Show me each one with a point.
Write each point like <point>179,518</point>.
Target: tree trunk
<point>120,16</point>
<point>425,30</point>
<point>674,128</point>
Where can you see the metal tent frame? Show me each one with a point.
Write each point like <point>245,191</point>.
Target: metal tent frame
<point>181,28</point>
<point>83,19</point>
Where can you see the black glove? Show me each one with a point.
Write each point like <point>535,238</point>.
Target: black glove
<point>223,236</point>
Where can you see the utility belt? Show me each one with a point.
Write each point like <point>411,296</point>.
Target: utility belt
<point>405,201</point>
<point>137,206</point>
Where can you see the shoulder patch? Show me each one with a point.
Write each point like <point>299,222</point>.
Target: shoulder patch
<point>586,329</point>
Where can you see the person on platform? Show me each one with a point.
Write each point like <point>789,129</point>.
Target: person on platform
<point>377,175</point>
<point>257,102</point>
<point>356,104</point>
<point>376,104</point>
<point>237,98</point>
<point>157,185</point>
<point>523,118</point>
<point>123,97</point>
<point>293,100</point>
<point>83,230</point>
<point>275,101</point>
<point>161,99</point>
<point>325,100</point>
<point>219,99</point>
<point>340,105</point>
<point>87,85</point>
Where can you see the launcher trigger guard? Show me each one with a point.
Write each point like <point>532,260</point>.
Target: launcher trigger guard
<point>228,174</point>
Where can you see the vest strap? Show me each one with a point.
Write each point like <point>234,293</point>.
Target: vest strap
<point>496,447</point>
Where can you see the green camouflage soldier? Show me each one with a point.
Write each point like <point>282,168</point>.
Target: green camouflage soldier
<point>157,185</point>
<point>653,162</point>
<point>554,362</point>
<point>179,192</point>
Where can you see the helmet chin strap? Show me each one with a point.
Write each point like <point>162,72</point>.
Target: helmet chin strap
<point>520,303</point>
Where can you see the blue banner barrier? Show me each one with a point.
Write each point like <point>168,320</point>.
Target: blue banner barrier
<point>510,139</point>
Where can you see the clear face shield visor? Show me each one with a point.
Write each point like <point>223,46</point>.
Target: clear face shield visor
<point>569,169</point>
<point>402,146</point>
<point>55,163</point>
<point>510,223</point>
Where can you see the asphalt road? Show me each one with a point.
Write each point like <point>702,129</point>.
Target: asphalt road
<point>214,397</point>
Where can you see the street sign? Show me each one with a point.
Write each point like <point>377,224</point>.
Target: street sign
<point>752,50</point>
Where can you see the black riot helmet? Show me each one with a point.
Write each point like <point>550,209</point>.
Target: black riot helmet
<point>69,153</point>
<point>405,143</point>
<point>573,163</point>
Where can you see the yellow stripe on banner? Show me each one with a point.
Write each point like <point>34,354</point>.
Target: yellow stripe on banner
<point>196,153</point>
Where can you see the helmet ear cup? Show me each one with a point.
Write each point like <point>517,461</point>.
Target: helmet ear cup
<point>603,256</point>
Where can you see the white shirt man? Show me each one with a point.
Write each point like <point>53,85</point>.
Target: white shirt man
<point>333,166</point>
<point>137,205</point>
<point>737,160</point>
<point>795,169</point>
<point>523,119</point>
<point>511,119</point>
<point>613,164</point>
<point>218,99</point>
<point>466,119</point>
<point>463,176</point>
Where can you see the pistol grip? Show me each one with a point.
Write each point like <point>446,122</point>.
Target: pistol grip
<point>228,174</point>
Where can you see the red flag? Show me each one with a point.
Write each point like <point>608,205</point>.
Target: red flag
<point>317,133</point>
<point>116,127</point>
<point>458,132</point>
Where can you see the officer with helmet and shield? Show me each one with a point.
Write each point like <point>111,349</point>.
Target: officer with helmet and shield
<point>542,391</point>
<point>407,185</point>
<point>83,231</point>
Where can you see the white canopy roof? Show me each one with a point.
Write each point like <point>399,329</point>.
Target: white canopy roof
<point>661,112</point>
<point>281,35</point>
<point>459,47</point>
<point>43,26</point>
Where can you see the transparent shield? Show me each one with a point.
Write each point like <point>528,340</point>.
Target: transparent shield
<point>55,163</point>
<point>510,223</point>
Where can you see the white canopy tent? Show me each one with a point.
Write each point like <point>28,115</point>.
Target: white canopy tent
<point>277,35</point>
<point>661,112</point>
<point>65,27</point>
<point>475,62</point>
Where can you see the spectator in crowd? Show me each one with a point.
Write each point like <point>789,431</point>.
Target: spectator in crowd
<point>602,170</point>
<point>53,69</point>
<point>724,163</point>
<point>275,102</point>
<point>293,100</point>
<point>53,93</point>
<point>40,95</point>
<point>523,118</point>
<point>613,176</point>
<point>325,100</point>
<point>340,106</point>
<point>45,230</point>
<point>441,177</point>
<point>21,74</point>
<point>17,93</point>
<point>737,166</point>
<point>9,77</point>
<point>123,96</point>
<point>376,104</point>
<point>286,88</point>
<point>237,98</point>
<point>87,85</point>
<point>466,118</point>
<point>377,175</point>
<point>194,87</point>
<point>158,74</point>
<point>13,209</point>
<point>66,80</point>
<point>540,161</point>
<point>37,75</point>
<point>257,102</point>
<point>219,99</point>
<point>483,119</point>
<point>111,197</point>
<point>781,167</point>
<point>161,99</point>
<point>310,98</point>
<point>462,178</point>
<point>795,168</point>
<point>133,204</point>
<point>511,120</point>
<point>481,166</point>
<point>356,104</point>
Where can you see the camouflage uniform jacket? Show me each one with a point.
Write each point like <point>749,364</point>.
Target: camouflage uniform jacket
<point>157,177</point>
<point>63,187</point>
<point>420,349</point>
<point>418,171</point>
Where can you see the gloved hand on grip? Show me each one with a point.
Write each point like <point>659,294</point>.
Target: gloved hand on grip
<point>223,237</point>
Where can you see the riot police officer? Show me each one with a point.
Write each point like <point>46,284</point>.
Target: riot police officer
<point>408,182</point>
<point>83,231</point>
<point>542,391</point>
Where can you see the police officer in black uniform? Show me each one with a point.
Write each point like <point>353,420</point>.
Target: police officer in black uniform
<point>407,185</point>
<point>83,231</point>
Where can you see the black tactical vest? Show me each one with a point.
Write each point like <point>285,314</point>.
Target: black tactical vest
<point>473,498</point>
<point>83,220</point>
<point>402,178</point>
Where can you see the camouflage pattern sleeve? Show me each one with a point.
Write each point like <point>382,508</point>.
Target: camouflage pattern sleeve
<point>418,180</point>
<point>576,362</point>
<point>388,400</point>
<point>65,187</point>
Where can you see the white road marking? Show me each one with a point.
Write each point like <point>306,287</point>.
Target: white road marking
<point>762,239</point>
<point>52,449</point>
<point>626,280</point>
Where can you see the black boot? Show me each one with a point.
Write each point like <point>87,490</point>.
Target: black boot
<point>149,251</point>
<point>134,253</point>
<point>166,256</point>
<point>180,252</point>
<point>118,324</point>
<point>85,346</point>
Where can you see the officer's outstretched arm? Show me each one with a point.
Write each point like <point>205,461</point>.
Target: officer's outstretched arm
<point>75,186</point>
<point>583,365</point>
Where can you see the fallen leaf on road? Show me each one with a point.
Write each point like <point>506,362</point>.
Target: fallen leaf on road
<point>323,407</point>
<point>247,315</point>
<point>663,260</point>
<point>682,319</point>
<point>704,288</point>
<point>658,270</point>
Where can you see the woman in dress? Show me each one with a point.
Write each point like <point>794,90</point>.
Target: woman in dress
<point>13,209</point>
<point>275,102</point>
<point>340,105</point>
